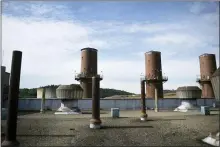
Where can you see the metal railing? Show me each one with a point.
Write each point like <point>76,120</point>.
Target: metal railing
<point>147,78</point>
<point>85,75</point>
<point>203,78</point>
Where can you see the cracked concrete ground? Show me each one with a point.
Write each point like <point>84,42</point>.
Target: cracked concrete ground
<point>161,129</point>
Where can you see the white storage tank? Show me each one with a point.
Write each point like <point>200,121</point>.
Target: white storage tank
<point>50,92</point>
<point>189,92</point>
<point>73,91</point>
<point>39,92</point>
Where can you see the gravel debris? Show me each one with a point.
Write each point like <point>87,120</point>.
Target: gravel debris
<point>162,129</point>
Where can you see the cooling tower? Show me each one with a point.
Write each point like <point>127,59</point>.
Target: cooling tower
<point>39,92</point>
<point>88,70</point>
<point>50,92</point>
<point>153,70</point>
<point>189,92</point>
<point>73,91</point>
<point>207,68</point>
<point>215,80</point>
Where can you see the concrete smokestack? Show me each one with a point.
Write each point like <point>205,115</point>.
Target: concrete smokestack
<point>153,71</point>
<point>89,67</point>
<point>207,68</point>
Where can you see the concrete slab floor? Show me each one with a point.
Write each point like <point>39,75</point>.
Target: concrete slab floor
<point>161,129</point>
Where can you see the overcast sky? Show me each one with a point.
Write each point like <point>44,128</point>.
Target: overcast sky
<point>51,34</point>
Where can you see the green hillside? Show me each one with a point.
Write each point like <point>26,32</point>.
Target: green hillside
<point>104,92</point>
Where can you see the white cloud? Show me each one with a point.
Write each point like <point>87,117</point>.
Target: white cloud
<point>197,7</point>
<point>47,46</point>
<point>173,38</point>
<point>51,49</point>
<point>151,27</point>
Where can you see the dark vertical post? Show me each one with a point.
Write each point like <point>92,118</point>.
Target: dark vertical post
<point>95,122</point>
<point>2,84</point>
<point>143,106</point>
<point>11,128</point>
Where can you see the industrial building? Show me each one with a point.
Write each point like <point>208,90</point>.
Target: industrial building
<point>189,92</point>
<point>207,68</point>
<point>215,80</point>
<point>73,91</point>
<point>4,84</point>
<point>89,67</point>
<point>153,74</point>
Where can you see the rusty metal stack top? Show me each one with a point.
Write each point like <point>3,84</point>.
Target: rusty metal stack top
<point>89,61</point>
<point>89,67</point>
<point>215,80</point>
<point>207,68</point>
<point>153,70</point>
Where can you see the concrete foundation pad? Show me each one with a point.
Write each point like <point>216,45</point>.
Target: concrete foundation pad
<point>67,112</point>
<point>95,126</point>
<point>212,139</point>
<point>65,108</point>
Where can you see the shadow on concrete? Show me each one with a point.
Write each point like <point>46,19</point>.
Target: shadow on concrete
<point>91,113</point>
<point>118,117</point>
<point>165,119</point>
<point>20,113</point>
<point>149,120</point>
<point>213,114</point>
<point>124,127</point>
<point>31,135</point>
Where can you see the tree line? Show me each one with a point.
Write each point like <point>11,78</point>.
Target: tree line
<point>104,92</point>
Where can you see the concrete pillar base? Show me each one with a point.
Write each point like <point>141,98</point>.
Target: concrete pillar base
<point>42,111</point>
<point>143,117</point>
<point>95,126</point>
<point>7,143</point>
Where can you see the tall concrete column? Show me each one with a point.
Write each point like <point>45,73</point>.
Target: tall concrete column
<point>43,101</point>
<point>95,122</point>
<point>156,100</point>
<point>11,126</point>
<point>143,106</point>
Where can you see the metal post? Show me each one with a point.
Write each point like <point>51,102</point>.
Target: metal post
<point>156,100</point>
<point>143,108</point>
<point>2,84</point>
<point>42,101</point>
<point>95,122</point>
<point>11,127</point>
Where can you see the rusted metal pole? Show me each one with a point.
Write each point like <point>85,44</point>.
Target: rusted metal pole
<point>95,122</point>
<point>156,100</point>
<point>143,106</point>
<point>11,127</point>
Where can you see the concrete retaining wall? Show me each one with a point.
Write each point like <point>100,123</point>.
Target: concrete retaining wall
<point>106,104</point>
